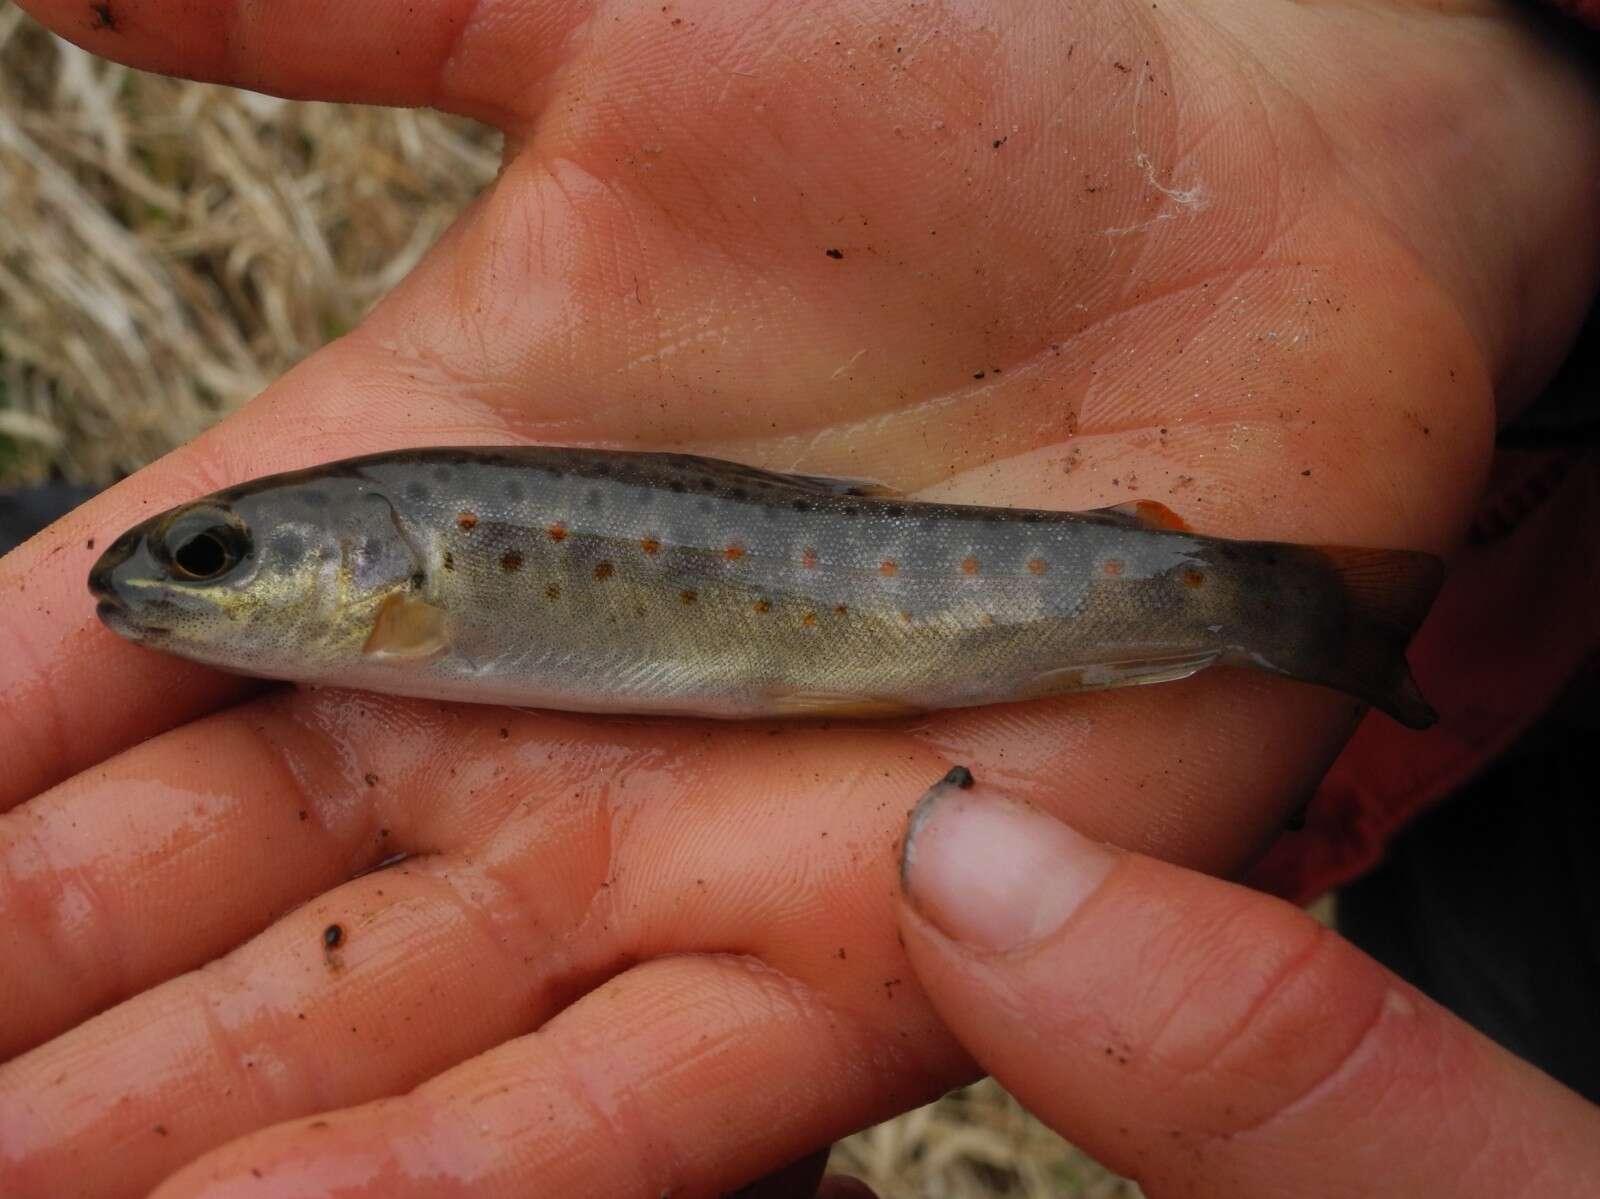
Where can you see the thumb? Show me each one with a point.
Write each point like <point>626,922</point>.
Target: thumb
<point>1205,1039</point>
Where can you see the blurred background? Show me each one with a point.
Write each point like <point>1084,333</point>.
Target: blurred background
<point>167,249</point>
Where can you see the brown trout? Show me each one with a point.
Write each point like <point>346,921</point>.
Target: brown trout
<point>603,581</point>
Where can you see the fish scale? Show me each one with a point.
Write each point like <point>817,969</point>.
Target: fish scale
<point>595,580</point>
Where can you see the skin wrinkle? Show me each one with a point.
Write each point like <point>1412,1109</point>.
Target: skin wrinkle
<point>1245,1026</point>
<point>87,949</point>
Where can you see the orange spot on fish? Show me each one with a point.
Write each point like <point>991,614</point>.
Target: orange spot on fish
<point>468,521</point>
<point>985,619</point>
<point>905,617</point>
<point>650,546</point>
<point>969,565</point>
<point>1111,567</point>
<point>733,553</point>
<point>688,596</point>
<point>809,619</point>
<point>762,607</point>
<point>888,568</point>
<point>1193,578</point>
<point>557,532</point>
<point>602,570</point>
<point>1037,566</point>
<point>510,561</point>
<point>808,558</point>
<point>840,609</point>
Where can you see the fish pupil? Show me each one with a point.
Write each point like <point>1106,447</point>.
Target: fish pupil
<point>203,556</point>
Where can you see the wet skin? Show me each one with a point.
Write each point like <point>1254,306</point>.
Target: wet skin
<point>1206,262</point>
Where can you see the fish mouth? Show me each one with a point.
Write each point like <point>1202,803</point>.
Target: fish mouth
<point>114,614</point>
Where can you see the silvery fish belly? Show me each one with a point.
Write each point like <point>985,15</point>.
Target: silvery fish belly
<point>605,581</point>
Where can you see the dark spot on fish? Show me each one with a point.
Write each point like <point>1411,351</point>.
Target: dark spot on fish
<point>688,596</point>
<point>733,552</point>
<point>553,591</point>
<point>888,568</point>
<point>801,505</point>
<point>314,497</point>
<point>706,507</point>
<point>677,486</point>
<point>650,546</point>
<point>809,619</point>
<point>289,548</point>
<point>834,254</point>
<point>556,532</point>
<point>894,510</point>
<point>762,607</point>
<point>415,493</point>
<point>1192,578</point>
<point>851,511</point>
<point>449,560</point>
<point>1032,518</point>
<point>418,581</point>
<point>371,779</point>
<point>510,561</point>
<point>602,570</point>
<point>468,521</point>
<point>707,483</point>
<point>1111,567</point>
<point>333,936</point>
<point>840,609</point>
<point>738,493</point>
<point>969,565</point>
<point>514,491</point>
<point>594,497</point>
<point>602,469</point>
<point>1037,566</point>
<point>442,474</point>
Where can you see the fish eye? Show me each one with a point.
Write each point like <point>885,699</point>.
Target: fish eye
<point>204,545</point>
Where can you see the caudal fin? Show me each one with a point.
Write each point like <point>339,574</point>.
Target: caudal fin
<point>1388,592</point>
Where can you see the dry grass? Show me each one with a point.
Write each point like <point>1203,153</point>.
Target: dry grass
<point>166,249</point>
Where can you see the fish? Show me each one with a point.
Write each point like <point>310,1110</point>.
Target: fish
<point>593,580</point>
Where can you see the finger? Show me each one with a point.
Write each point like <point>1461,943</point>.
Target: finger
<point>1204,1039</point>
<point>588,846</point>
<point>183,847</point>
<point>686,1076</point>
<point>485,59</point>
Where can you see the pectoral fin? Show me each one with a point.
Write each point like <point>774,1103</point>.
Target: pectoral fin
<point>406,628</point>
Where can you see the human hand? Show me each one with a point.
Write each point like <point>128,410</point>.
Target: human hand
<point>1206,257</point>
<point>1208,1040</point>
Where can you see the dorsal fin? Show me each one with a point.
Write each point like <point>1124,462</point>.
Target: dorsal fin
<point>1145,514</point>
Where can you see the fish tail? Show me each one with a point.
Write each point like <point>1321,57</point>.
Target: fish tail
<point>1388,593</point>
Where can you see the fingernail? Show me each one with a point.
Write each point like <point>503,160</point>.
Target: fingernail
<point>993,873</point>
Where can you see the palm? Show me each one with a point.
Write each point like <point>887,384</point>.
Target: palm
<point>1072,262</point>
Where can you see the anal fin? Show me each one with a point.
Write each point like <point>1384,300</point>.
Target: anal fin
<point>844,707</point>
<point>1101,676</point>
